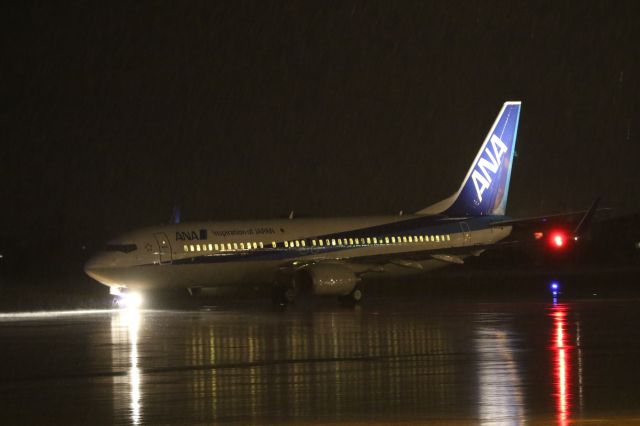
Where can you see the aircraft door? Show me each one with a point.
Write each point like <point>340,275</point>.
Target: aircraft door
<point>164,247</point>
<point>466,233</point>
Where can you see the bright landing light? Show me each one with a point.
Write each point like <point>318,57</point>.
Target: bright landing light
<point>130,300</point>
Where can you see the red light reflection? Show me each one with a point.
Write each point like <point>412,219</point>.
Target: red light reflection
<point>562,365</point>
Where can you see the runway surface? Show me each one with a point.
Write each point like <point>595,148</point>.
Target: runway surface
<point>388,362</point>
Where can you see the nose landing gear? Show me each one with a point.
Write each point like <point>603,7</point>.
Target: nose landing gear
<point>125,299</point>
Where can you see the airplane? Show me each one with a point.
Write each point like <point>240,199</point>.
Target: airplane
<point>327,256</point>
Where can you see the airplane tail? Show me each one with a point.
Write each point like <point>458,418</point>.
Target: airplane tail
<point>485,189</point>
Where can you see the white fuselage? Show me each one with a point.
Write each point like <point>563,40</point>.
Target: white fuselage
<point>211,254</point>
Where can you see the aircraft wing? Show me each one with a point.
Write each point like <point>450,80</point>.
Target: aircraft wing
<point>411,260</point>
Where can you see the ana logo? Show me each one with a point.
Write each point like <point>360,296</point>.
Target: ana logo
<point>489,162</point>
<point>191,235</point>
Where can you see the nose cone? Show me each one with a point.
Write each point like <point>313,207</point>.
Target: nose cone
<point>92,266</point>
<point>102,267</point>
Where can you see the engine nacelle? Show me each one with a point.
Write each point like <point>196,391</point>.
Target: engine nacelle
<point>327,279</point>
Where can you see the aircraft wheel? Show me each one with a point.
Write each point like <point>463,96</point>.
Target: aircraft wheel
<point>289,295</point>
<point>283,296</point>
<point>357,295</point>
<point>352,299</point>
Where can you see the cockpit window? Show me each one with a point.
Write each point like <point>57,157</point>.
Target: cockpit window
<point>124,248</point>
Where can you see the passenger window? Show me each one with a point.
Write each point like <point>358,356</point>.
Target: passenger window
<point>333,242</point>
<point>404,239</point>
<point>273,244</point>
<point>241,246</point>
<point>339,241</point>
<point>437,238</point>
<point>368,240</point>
<point>297,243</point>
<point>375,240</point>
<point>235,246</point>
<point>192,247</point>
<point>215,246</point>
<point>186,247</point>
<point>357,240</point>
<point>286,244</point>
<point>448,237</point>
<point>313,243</point>
<point>393,240</point>
<point>303,243</point>
<point>386,239</point>
<point>410,239</point>
<point>260,244</point>
<point>198,247</point>
<point>421,239</point>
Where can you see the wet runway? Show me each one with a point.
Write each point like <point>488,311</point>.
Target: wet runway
<point>389,362</point>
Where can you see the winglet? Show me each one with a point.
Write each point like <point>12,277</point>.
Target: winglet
<point>586,220</point>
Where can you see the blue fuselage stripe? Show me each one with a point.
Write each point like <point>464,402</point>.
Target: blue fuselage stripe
<point>416,226</point>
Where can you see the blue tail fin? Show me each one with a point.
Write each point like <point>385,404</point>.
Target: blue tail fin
<point>485,188</point>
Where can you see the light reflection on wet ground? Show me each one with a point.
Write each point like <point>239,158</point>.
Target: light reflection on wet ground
<point>402,362</point>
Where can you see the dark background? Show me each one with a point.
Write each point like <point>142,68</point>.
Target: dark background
<point>111,113</point>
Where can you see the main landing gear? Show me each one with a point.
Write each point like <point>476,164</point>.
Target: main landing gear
<point>352,299</point>
<point>285,296</point>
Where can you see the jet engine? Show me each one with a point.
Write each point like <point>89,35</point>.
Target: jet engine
<point>325,279</point>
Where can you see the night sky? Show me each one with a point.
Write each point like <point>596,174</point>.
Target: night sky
<point>112,113</point>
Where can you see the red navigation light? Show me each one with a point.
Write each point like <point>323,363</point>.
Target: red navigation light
<point>558,239</point>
